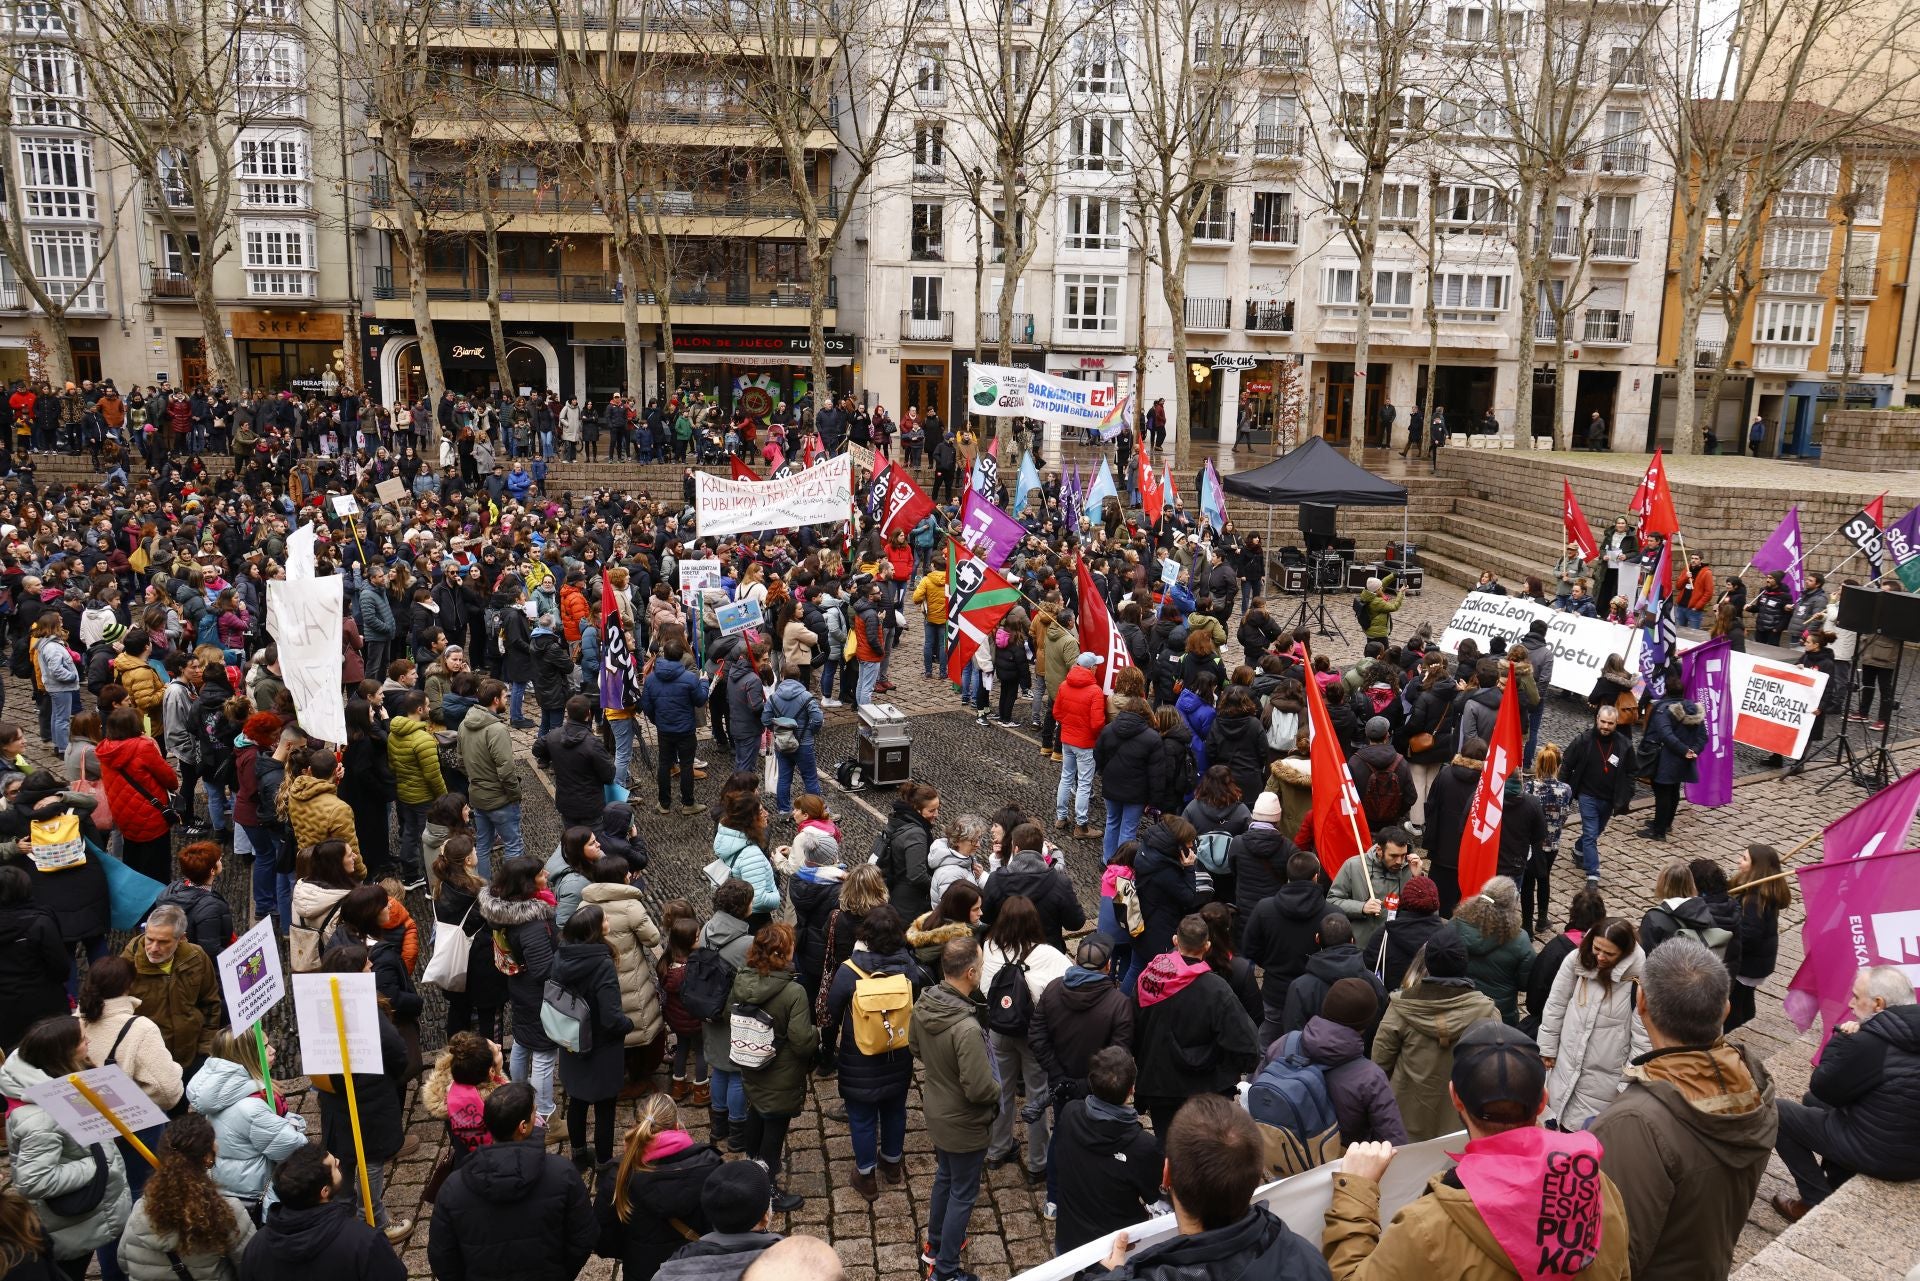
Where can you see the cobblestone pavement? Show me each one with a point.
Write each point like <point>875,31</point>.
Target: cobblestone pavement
<point>979,768</point>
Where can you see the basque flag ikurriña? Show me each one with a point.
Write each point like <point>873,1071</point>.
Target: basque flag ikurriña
<point>977,599</point>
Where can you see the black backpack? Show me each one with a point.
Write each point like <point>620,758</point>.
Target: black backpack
<point>1363,612</point>
<point>1009,1000</point>
<point>707,984</point>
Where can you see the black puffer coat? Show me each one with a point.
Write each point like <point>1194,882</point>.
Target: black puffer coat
<point>582,768</point>
<point>1127,754</point>
<point>524,927</point>
<point>1027,874</point>
<point>1281,936</point>
<point>1404,936</point>
<point>33,969</point>
<point>512,1212</point>
<point>656,1197</point>
<point>1240,744</point>
<point>1073,1023</point>
<point>870,1078</point>
<point>815,899</point>
<point>1259,856</point>
<point>1429,717</point>
<point>1167,891</point>
<point>1871,1081</point>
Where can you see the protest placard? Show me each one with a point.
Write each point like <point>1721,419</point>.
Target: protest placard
<point>345,506</point>
<point>70,1108</point>
<point>1581,646</point>
<point>251,979</point>
<point>319,1032</point>
<point>738,616</point>
<point>1774,705</point>
<point>819,495</point>
<point>304,619</point>
<point>391,491</point>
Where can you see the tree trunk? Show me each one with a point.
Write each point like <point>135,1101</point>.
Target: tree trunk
<point>59,346</point>
<point>496,330</point>
<point>629,256</point>
<point>1432,309</point>
<point>1363,323</point>
<point>422,310</point>
<point>219,350</point>
<point>817,317</point>
<point>1526,232</point>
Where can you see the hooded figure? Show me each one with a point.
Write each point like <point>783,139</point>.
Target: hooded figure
<point>1416,1038</point>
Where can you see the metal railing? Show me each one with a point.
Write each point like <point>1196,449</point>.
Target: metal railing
<point>1284,55</point>
<point>1706,355</point>
<point>1282,232</point>
<point>1021,329</point>
<point>1545,329</point>
<point>1277,141</point>
<point>1210,313</point>
<point>1216,230</point>
<point>1859,282</point>
<point>1606,327</point>
<point>599,289</point>
<point>171,284</point>
<point>1618,243</point>
<point>473,198</point>
<point>1269,317</point>
<point>1851,362</point>
<point>937,327</point>
<point>1624,157</point>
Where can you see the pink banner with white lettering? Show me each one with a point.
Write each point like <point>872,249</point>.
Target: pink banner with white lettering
<point>1860,913</point>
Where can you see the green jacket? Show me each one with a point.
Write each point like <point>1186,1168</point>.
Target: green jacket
<point>779,1088</point>
<point>414,754</point>
<point>1349,892</point>
<point>1501,970</point>
<point>1380,611</point>
<point>1062,647</point>
<point>493,775</point>
<point>957,1087</point>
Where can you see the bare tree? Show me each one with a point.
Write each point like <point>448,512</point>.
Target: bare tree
<point>1748,128</point>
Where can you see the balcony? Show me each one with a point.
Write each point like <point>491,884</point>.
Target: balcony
<point>1287,57</point>
<point>1282,232</point>
<point>1209,315</point>
<point>927,250</point>
<point>1606,327</point>
<point>926,327</point>
<point>1706,355</point>
<point>1615,244</point>
<point>1215,231</point>
<point>1278,142</point>
<point>1268,317</point>
<point>1021,329</point>
<point>458,198</point>
<point>1624,158</point>
<point>171,284</point>
<point>1859,282</point>
<point>1544,328</point>
<point>597,289</point>
<point>1563,245</point>
<point>1848,363</point>
<point>1781,358</point>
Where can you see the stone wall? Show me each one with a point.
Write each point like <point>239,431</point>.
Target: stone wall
<point>1871,440</point>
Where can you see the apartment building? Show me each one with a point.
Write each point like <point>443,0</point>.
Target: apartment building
<point>99,235</point>
<point>1830,312</point>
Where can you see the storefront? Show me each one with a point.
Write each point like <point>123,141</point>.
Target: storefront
<point>467,359</point>
<point>755,373</point>
<point>297,351</point>
<point>1273,400</point>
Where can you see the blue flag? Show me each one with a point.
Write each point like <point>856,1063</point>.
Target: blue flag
<point>1098,492</point>
<point>1213,500</point>
<point>1028,482</point>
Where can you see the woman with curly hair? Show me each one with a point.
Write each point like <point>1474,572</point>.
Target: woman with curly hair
<point>23,1243</point>
<point>184,1226</point>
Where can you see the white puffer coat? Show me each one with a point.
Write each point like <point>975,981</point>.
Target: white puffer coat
<point>635,940</point>
<point>1591,1031</point>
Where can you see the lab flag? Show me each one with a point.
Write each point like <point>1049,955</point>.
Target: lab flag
<point>902,505</point>
<point>1707,678</point>
<point>1901,543</point>
<point>977,599</point>
<point>739,470</point>
<point>1098,635</point>
<point>1574,525</point>
<point>1152,500</point>
<point>1653,501</point>
<point>1339,825</point>
<point>1070,487</point>
<point>986,470</point>
<point>987,531</point>
<point>1213,497</point>
<point>1480,840</point>
<point>1099,491</point>
<point>1861,913</point>
<point>1029,482</point>
<point>1782,551</point>
<point>616,663</point>
<point>1878,824</point>
<point>1863,531</point>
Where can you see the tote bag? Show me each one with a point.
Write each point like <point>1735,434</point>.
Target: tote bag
<point>452,950</point>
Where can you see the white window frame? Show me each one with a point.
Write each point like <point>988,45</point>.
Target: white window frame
<point>278,257</point>
<point>1869,181</point>
<point>1094,144</point>
<point>1470,291</point>
<point>275,168</point>
<point>47,93</point>
<point>926,297</point>
<point>1778,321</point>
<point>1486,206</point>
<point>42,16</point>
<point>1790,248</point>
<point>56,179</point>
<point>1099,76</point>
<point>271,74</point>
<point>1093,224</point>
<point>277,13</point>
<point>935,227</point>
<point>1858,341</point>
<point>929,148</point>
<point>930,70</point>
<point>62,258</point>
<point>1102,290</point>
<point>175,260</point>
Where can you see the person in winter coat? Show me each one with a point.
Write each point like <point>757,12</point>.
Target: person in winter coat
<point>1772,608</point>
<point>1080,711</point>
<point>50,1168</point>
<point>908,844</point>
<point>634,939</point>
<point>1216,806</point>
<point>1191,1036</point>
<point>1259,856</point>
<point>1590,1030</point>
<point>873,1086</point>
<point>1164,876</point>
<point>671,697</point>
<point>1415,1041</point>
<point>791,705</point>
<point>1679,727</point>
<point>583,965</point>
<point>33,964</point>
<point>209,918</point>
<point>1499,953</point>
<point>176,985</point>
<point>1127,754</point>
<point>1597,766</point>
<point>656,1191</point>
<point>960,1097</point>
<point>523,932</point>
<point>1335,1040</point>
<point>1392,949</point>
<point>1761,899</point>
<point>1432,730</point>
<point>379,1087</point>
<point>1689,1135</point>
<point>138,782</point>
<point>510,1211</point>
<point>184,1228</point>
<point>1238,741</point>
<point>1367,883</point>
<point>254,1137</point>
<point>1859,1115</point>
<point>1337,959</point>
<point>777,1088</point>
<point>579,762</point>
<point>957,855</point>
<point>1116,1164</point>
<point>1281,934</point>
<point>1017,943</point>
<point>1029,875</point>
<point>740,842</point>
<point>115,1033</point>
<point>552,673</point>
<point>727,933</point>
<point>1079,1013</point>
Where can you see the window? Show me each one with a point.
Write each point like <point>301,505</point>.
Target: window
<point>1466,205</point>
<point>278,257</point>
<point>1469,291</point>
<point>1849,338</point>
<point>1731,197</point>
<point>1404,111</point>
<point>998,222</point>
<point>781,262</point>
<point>56,178</point>
<point>447,254</point>
<point>1089,303</point>
<point>1622,149</point>
<point>273,170</point>
<point>1797,248</point>
<point>929,241</point>
<point>270,72</point>
<point>1391,287</point>
<point>63,260</point>
<point>1289,53</point>
<point>1273,220</point>
<point>929,150</point>
<point>1094,223</point>
<point>1093,144</point>
<point>930,71</point>
<point>178,256</point>
<point>1626,66</point>
<point>1209,44</point>
<point>1338,285</point>
<point>926,298</point>
<point>1470,23</point>
<point>529,255</point>
<point>1862,265</point>
<point>1867,191</point>
<point>47,90</point>
<point>283,13</point>
<point>1399,201</point>
<point>42,15</point>
<point>1809,189</point>
<point>1786,322</point>
<point>1098,75</point>
<point>1213,222</point>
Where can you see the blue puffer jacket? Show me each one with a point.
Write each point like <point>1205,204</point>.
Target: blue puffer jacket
<point>670,696</point>
<point>253,1140</point>
<point>793,700</point>
<point>1676,738</point>
<point>870,1078</point>
<point>750,863</point>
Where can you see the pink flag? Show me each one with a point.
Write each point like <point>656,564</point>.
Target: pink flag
<point>1860,913</point>
<point>1878,824</point>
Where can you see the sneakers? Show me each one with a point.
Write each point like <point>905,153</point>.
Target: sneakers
<point>1050,1212</point>
<point>1856,716</point>
<point>1877,726</point>
<point>831,702</point>
<point>398,1231</point>
<point>693,808</point>
<point>662,809</point>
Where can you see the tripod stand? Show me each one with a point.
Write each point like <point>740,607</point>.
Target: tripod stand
<point>1873,769</point>
<point>1309,612</point>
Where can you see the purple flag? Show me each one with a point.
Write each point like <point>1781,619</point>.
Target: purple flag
<point>1878,824</point>
<point>988,532</point>
<point>1902,544</point>
<point>1860,913</point>
<point>1070,500</point>
<point>1782,551</point>
<point>1705,674</point>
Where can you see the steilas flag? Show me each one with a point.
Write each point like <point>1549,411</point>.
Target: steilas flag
<point>1653,501</point>
<point>1098,635</point>
<point>1574,524</point>
<point>739,469</point>
<point>1152,500</point>
<point>1339,826</point>
<point>977,599</point>
<point>1480,840</point>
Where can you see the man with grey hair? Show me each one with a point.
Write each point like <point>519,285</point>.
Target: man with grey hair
<point>176,985</point>
<point>1689,1136</point>
<point>1861,1112</point>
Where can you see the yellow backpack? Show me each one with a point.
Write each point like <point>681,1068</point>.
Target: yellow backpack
<point>882,1011</point>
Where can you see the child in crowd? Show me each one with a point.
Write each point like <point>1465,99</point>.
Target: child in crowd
<point>680,930</point>
<point>456,1091</point>
<point>1555,798</point>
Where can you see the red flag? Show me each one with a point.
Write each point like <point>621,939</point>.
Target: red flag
<point>1877,510</point>
<point>1480,841</point>
<point>811,450</point>
<point>904,505</point>
<point>978,598</point>
<point>1573,522</point>
<point>1098,635</point>
<point>740,470</point>
<point>1339,825</point>
<point>1653,501</point>
<point>1151,499</point>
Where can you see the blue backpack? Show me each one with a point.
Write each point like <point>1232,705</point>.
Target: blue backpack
<point>1289,1100</point>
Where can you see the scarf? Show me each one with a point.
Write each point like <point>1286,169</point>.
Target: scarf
<point>1105,1111</point>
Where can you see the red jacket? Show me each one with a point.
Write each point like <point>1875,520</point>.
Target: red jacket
<point>901,559</point>
<point>138,759</point>
<point>1080,708</point>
